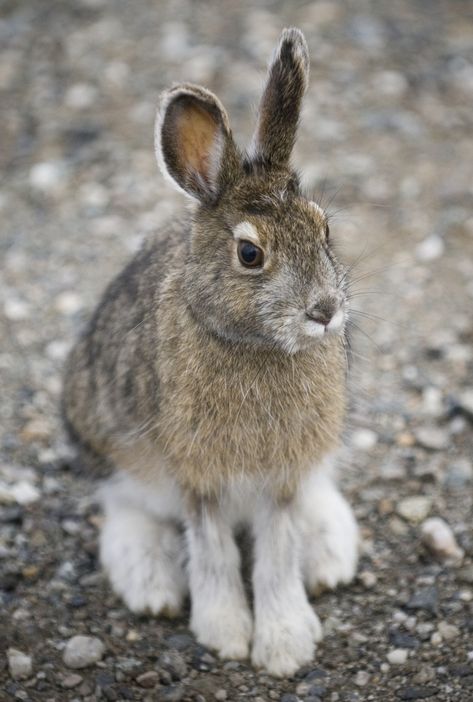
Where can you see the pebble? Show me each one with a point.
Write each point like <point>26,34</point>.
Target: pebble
<point>465,402</point>
<point>20,664</point>
<point>432,438</point>
<point>68,303</point>
<point>362,678</point>
<point>173,663</point>
<point>221,695</point>
<point>47,176</point>
<point>437,535</point>
<point>364,439</point>
<point>448,631</point>
<point>16,310</point>
<point>418,692</point>
<point>459,473</point>
<point>368,579</point>
<point>82,651</point>
<point>430,249</point>
<point>397,656</point>
<point>71,681</point>
<point>465,575</point>
<point>426,599</point>
<point>23,493</point>
<point>172,693</point>
<point>414,509</point>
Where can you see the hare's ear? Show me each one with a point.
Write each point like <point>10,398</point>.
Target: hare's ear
<point>280,105</point>
<point>193,141</point>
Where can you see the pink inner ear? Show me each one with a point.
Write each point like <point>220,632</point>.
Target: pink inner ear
<point>197,131</point>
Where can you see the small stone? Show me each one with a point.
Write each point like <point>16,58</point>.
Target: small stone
<point>290,698</point>
<point>174,664</point>
<point>80,96</point>
<point>448,631</point>
<point>436,638</point>
<point>221,695</point>
<point>364,439</point>
<point>71,681</point>
<point>362,678</point>
<point>19,664</point>
<point>47,176</point>
<point>424,599</point>
<point>37,429</point>
<point>173,693</point>
<point>439,538</point>
<point>432,438</point>
<point>459,474</point>
<point>16,310</point>
<point>23,493</point>
<point>465,402</point>
<point>416,692</point>
<point>430,249</point>
<point>397,656</point>
<point>148,680</point>
<point>465,575</point>
<point>425,674</point>
<point>414,509</point>
<point>368,579</point>
<point>68,303</point>
<point>82,651</point>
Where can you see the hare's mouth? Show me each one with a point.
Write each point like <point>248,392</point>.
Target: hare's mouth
<point>317,326</point>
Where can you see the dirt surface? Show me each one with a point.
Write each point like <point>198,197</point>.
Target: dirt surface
<point>386,142</point>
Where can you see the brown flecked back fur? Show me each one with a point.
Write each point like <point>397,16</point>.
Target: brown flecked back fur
<point>192,363</point>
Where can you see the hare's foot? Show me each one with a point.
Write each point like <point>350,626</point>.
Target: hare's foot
<point>220,616</point>
<point>285,637</point>
<point>286,626</point>
<point>143,558</point>
<point>330,536</point>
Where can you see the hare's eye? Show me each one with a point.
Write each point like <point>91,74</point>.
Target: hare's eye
<point>327,232</point>
<point>250,256</point>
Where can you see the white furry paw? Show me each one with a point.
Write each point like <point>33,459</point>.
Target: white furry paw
<point>285,641</point>
<point>330,542</point>
<point>225,628</point>
<point>143,559</point>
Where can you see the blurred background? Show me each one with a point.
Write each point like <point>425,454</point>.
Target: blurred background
<point>386,145</point>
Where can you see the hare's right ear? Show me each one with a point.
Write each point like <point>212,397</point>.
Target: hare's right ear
<point>193,141</point>
<point>279,110</point>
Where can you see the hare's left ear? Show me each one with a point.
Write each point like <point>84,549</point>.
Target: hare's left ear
<point>193,141</point>
<point>280,105</point>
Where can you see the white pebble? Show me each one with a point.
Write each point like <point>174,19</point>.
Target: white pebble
<point>364,439</point>
<point>80,96</point>
<point>430,249</point>
<point>439,538</point>
<point>19,664</point>
<point>68,303</point>
<point>16,310</point>
<point>398,656</point>
<point>362,678</point>
<point>82,651</point>
<point>414,509</point>
<point>47,176</point>
<point>448,631</point>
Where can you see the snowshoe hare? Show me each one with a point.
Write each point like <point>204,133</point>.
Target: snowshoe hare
<point>212,378</point>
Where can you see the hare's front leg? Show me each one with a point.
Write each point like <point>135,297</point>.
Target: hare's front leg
<point>141,547</point>
<point>330,537</point>
<point>286,626</point>
<point>220,617</point>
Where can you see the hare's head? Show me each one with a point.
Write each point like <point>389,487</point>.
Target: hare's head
<point>260,268</point>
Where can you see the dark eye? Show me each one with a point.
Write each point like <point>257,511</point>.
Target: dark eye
<point>327,231</point>
<point>250,256</point>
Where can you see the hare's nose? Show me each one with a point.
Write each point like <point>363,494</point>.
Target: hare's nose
<point>322,316</point>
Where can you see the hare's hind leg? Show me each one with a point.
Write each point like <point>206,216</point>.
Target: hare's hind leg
<point>330,537</point>
<point>141,546</point>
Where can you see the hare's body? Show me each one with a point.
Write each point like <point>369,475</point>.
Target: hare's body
<point>212,378</point>
<point>144,376</point>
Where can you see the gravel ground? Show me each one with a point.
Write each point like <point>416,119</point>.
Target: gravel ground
<point>386,142</point>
